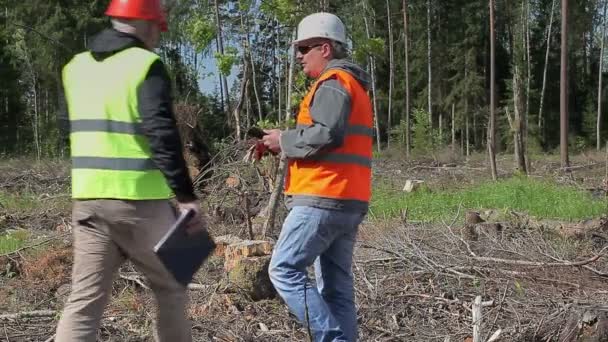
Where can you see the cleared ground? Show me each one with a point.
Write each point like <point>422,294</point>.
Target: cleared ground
<point>537,262</point>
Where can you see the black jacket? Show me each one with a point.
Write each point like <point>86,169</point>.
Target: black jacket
<point>156,110</point>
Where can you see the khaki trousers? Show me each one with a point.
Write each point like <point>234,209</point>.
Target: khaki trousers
<point>106,233</point>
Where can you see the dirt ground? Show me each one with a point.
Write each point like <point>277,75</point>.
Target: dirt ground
<point>414,282</point>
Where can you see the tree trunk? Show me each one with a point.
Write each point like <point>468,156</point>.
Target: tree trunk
<point>563,103</point>
<point>220,45</point>
<point>598,131</point>
<point>391,71</point>
<point>542,92</point>
<point>429,67</point>
<point>453,131</point>
<point>492,123</point>
<point>372,63</point>
<point>279,76</point>
<point>517,123</point>
<point>249,52</point>
<point>243,93</point>
<point>278,187</point>
<point>529,71</point>
<point>440,123</point>
<point>36,117</point>
<point>407,81</point>
<point>466,106</point>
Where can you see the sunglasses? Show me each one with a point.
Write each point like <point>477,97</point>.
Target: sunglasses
<point>306,49</point>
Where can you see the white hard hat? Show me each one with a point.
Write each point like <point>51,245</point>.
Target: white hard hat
<point>321,25</point>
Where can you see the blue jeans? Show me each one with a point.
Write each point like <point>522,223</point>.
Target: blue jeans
<point>325,238</point>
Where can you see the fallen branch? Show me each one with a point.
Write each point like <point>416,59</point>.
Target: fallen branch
<point>451,168</point>
<point>199,287</point>
<point>495,336</point>
<point>28,314</point>
<point>136,279</point>
<point>477,319</point>
<point>543,264</point>
<point>578,167</point>
<point>17,251</point>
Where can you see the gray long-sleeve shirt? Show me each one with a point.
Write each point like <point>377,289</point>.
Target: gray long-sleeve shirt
<point>330,109</point>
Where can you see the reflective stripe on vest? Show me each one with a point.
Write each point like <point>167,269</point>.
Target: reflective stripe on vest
<point>111,158</point>
<point>105,126</point>
<point>343,173</point>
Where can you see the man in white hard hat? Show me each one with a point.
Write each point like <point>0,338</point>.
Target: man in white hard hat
<point>328,184</point>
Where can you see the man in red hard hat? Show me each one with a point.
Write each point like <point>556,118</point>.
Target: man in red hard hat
<point>127,163</point>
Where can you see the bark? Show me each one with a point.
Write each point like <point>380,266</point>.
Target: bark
<point>529,71</point>
<point>36,123</point>
<point>279,78</point>
<point>598,131</point>
<point>220,47</point>
<point>517,122</point>
<point>278,187</point>
<point>429,64</point>
<point>372,63</point>
<point>243,93</point>
<point>542,92</point>
<point>407,80</point>
<point>563,103</point>
<point>466,107</point>
<point>492,123</point>
<point>391,69</point>
<point>249,52</point>
<point>453,131</point>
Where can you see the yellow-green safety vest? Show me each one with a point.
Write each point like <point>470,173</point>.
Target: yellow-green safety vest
<point>111,157</point>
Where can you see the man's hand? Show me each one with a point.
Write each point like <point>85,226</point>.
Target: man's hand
<point>272,140</point>
<point>198,222</point>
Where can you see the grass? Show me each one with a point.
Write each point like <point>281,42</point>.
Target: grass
<point>539,198</point>
<point>28,202</point>
<point>18,202</point>
<point>12,241</point>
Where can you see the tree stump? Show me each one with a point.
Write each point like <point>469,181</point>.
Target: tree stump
<point>250,275</point>
<point>245,249</point>
<point>222,242</point>
<point>588,326</point>
<point>468,232</point>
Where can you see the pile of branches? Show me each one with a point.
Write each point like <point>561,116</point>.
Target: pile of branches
<point>235,190</point>
<point>515,283</point>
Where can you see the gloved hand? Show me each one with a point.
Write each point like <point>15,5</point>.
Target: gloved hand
<point>256,152</point>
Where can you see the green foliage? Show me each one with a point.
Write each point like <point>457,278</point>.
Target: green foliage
<point>283,10</point>
<point>589,120</point>
<point>368,47</point>
<point>38,38</point>
<point>398,134</point>
<point>226,61</point>
<point>269,124</point>
<point>539,198</point>
<point>424,139</point>
<point>200,31</point>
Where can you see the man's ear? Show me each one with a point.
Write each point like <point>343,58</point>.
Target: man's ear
<point>327,50</point>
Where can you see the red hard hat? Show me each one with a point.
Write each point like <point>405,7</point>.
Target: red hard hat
<point>138,9</point>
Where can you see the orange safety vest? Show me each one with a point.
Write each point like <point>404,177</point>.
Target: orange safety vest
<point>343,173</point>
